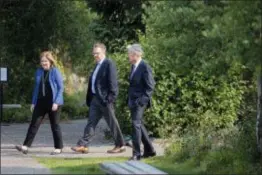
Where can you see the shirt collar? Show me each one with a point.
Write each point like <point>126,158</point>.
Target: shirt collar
<point>137,63</point>
<point>101,61</point>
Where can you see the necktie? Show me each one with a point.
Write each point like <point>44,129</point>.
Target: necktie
<point>132,71</point>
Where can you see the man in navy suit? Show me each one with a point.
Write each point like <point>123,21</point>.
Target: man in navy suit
<point>101,95</point>
<point>139,98</point>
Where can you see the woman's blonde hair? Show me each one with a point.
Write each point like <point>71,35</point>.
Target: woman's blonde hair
<point>49,56</point>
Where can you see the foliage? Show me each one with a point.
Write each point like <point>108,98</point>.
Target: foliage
<point>18,115</point>
<point>122,111</point>
<point>200,55</point>
<point>119,21</point>
<point>227,151</point>
<point>73,36</point>
<point>73,109</point>
<point>33,26</point>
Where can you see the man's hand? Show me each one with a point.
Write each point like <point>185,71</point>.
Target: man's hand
<point>54,107</point>
<point>32,107</point>
<point>110,99</point>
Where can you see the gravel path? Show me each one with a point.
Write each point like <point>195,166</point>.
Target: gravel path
<point>13,162</point>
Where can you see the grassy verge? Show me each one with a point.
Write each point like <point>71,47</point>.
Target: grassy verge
<point>166,164</point>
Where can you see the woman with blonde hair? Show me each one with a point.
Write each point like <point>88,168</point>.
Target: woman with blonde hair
<point>47,99</point>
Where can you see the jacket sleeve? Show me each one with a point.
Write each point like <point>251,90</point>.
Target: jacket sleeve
<point>35,90</point>
<point>112,82</point>
<point>149,85</point>
<point>60,87</point>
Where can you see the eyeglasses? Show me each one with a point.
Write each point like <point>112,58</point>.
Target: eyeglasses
<point>96,53</point>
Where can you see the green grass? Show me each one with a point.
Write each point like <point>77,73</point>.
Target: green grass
<point>91,165</point>
<point>76,165</point>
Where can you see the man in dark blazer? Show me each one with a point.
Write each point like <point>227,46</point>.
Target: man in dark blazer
<point>101,95</point>
<point>139,98</point>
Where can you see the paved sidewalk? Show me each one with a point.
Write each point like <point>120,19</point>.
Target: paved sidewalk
<point>14,162</point>
<point>21,164</point>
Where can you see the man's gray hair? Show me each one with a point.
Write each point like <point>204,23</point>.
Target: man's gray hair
<point>135,48</point>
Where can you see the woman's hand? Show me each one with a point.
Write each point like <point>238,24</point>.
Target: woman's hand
<point>32,107</point>
<point>54,107</point>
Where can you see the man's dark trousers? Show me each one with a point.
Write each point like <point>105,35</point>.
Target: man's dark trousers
<point>139,131</point>
<point>98,110</point>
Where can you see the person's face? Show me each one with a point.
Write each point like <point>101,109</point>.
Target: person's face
<point>133,58</point>
<point>45,63</point>
<point>98,54</point>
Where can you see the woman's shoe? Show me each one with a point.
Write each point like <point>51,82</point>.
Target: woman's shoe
<point>23,149</point>
<point>56,151</point>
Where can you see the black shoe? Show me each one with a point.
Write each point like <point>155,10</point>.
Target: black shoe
<point>147,155</point>
<point>135,158</point>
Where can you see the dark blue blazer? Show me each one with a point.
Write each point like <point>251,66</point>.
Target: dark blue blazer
<point>106,85</point>
<point>141,86</point>
<point>56,82</point>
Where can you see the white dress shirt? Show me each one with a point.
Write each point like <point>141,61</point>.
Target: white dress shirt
<point>95,74</point>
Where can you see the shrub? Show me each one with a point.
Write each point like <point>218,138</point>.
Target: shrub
<point>74,107</point>
<point>183,101</point>
<point>122,111</point>
<point>227,151</point>
<point>200,64</point>
<point>17,115</point>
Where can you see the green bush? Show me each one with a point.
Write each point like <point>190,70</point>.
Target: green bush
<point>227,151</point>
<point>17,115</point>
<point>74,107</point>
<point>122,111</point>
<point>201,64</point>
<point>183,101</point>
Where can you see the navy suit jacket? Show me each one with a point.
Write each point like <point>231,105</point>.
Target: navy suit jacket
<point>141,86</point>
<point>106,85</point>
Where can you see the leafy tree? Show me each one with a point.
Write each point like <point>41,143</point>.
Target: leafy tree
<point>119,21</point>
<point>30,27</point>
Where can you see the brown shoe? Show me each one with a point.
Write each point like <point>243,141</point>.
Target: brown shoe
<point>80,149</point>
<point>117,149</point>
